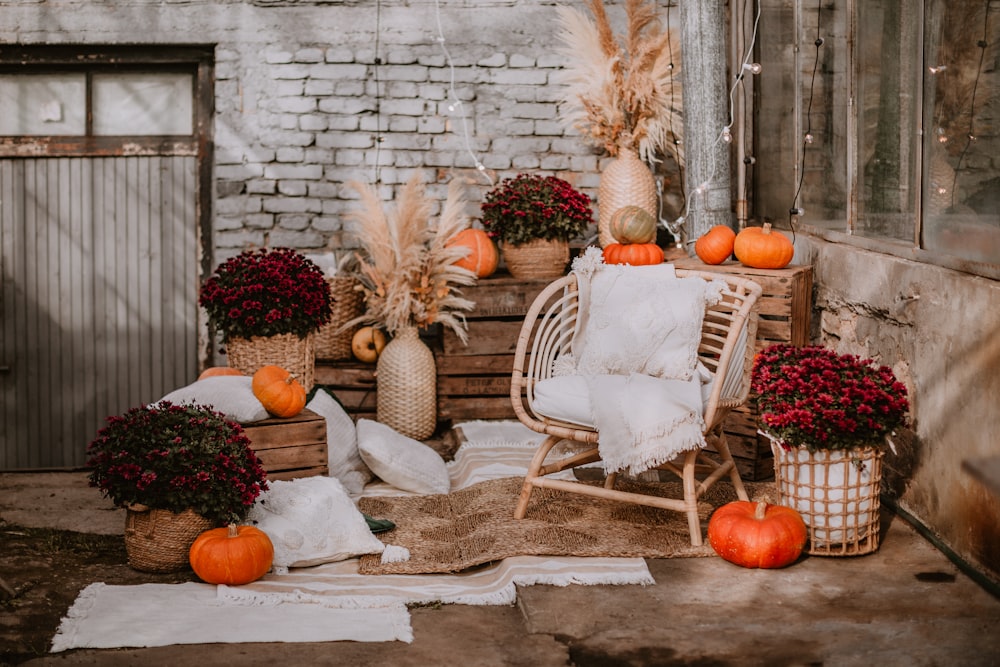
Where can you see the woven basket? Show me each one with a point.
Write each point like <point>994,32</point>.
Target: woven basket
<point>626,181</point>
<point>159,540</point>
<point>837,494</point>
<point>333,341</point>
<point>406,386</point>
<point>540,258</point>
<point>296,355</point>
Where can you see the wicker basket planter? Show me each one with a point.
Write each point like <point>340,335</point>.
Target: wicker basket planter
<point>626,181</point>
<point>159,540</point>
<point>540,258</point>
<point>837,494</point>
<point>296,355</point>
<point>333,341</point>
<point>406,379</point>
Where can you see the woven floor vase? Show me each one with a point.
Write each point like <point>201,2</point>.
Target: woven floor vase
<point>625,181</point>
<point>406,386</point>
<point>296,355</point>
<point>540,258</point>
<point>159,540</point>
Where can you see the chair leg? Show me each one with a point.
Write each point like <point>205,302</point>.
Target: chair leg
<point>691,496</point>
<point>610,479</point>
<point>722,447</point>
<point>536,464</point>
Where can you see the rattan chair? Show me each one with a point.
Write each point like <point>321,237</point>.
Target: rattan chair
<point>726,349</point>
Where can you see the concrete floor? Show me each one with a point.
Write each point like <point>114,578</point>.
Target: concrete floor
<point>906,604</point>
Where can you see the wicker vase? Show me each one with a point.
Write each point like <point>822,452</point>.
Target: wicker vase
<point>296,355</point>
<point>540,258</point>
<point>406,386</point>
<point>333,341</point>
<point>625,181</point>
<point>837,494</point>
<point>159,540</point>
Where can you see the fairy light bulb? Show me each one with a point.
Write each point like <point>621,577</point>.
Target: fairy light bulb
<point>809,138</point>
<point>937,69</point>
<point>753,68</point>
<point>727,136</point>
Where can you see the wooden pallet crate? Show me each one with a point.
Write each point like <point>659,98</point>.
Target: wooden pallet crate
<point>352,383</point>
<point>292,447</point>
<point>474,377</point>
<point>785,311</point>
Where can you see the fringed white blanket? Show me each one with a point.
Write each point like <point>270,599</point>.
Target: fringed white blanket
<point>636,344</point>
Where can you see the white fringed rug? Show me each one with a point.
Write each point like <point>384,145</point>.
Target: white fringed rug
<point>333,602</point>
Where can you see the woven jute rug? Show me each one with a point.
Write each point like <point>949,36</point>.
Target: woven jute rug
<point>475,526</point>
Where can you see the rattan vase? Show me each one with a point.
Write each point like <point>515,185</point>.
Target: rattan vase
<point>406,386</point>
<point>625,181</point>
<point>296,355</point>
<point>837,494</point>
<point>159,540</point>
<point>540,258</point>
<point>333,340</point>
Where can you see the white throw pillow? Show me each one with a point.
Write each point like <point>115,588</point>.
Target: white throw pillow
<point>401,461</point>
<point>231,395</point>
<point>312,520</point>
<point>341,443</point>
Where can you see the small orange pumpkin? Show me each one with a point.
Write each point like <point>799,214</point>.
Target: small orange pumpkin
<point>762,248</point>
<point>757,534</point>
<point>278,391</point>
<point>215,371</point>
<point>636,254</point>
<point>716,245</point>
<point>232,555</point>
<point>632,224</point>
<point>483,256</point>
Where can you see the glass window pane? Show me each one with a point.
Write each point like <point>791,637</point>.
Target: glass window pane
<point>888,62</point>
<point>143,104</point>
<point>962,143</point>
<point>43,104</point>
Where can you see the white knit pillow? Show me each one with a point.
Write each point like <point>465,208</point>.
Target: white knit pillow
<point>341,443</point>
<point>231,395</point>
<point>401,461</point>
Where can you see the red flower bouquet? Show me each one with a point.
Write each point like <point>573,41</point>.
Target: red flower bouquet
<point>529,207</point>
<point>813,397</point>
<point>177,457</point>
<point>265,293</point>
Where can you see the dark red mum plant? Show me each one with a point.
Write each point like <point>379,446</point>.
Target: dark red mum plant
<point>267,292</point>
<point>813,397</point>
<point>529,207</point>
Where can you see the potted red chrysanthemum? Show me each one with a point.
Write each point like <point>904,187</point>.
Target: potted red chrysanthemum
<point>829,417</point>
<point>268,305</point>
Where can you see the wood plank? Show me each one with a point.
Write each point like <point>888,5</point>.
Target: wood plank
<point>477,385</point>
<point>293,457</point>
<point>470,408</point>
<point>502,296</point>
<point>345,374</point>
<point>305,427</point>
<point>485,337</point>
<point>481,364</point>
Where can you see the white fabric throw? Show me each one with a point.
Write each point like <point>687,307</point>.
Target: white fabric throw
<point>636,344</point>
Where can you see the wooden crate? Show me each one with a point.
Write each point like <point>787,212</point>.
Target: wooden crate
<point>785,311</point>
<point>290,448</point>
<point>353,383</point>
<point>474,378</point>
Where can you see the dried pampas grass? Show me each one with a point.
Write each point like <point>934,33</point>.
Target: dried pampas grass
<point>622,92</point>
<point>405,266</point>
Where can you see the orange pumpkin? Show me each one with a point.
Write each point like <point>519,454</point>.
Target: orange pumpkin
<point>763,248</point>
<point>632,224</point>
<point>636,254</point>
<point>757,534</point>
<point>716,245</point>
<point>232,555</point>
<point>215,371</point>
<point>278,391</point>
<point>483,256</point>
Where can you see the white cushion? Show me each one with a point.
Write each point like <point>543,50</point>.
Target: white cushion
<point>342,443</point>
<point>231,395</point>
<point>312,520</point>
<point>401,461</point>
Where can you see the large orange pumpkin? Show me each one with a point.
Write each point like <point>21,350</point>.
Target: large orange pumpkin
<point>716,245</point>
<point>278,391</point>
<point>483,256</point>
<point>215,371</point>
<point>757,534</point>
<point>636,254</point>
<point>632,224</point>
<point>763,248</point>
<point>232,555</point>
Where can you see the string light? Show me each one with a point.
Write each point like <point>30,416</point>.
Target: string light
<point>378,93</point>
<point>807,138</point>
<point>970,137</point>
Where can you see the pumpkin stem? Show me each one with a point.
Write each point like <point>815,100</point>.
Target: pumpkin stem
<point>761,511</point>
<point>233,531</point>
<point>290,379</point>
<point>766,229</point>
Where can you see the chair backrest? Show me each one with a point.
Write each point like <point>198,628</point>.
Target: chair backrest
<point>729,332</point>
